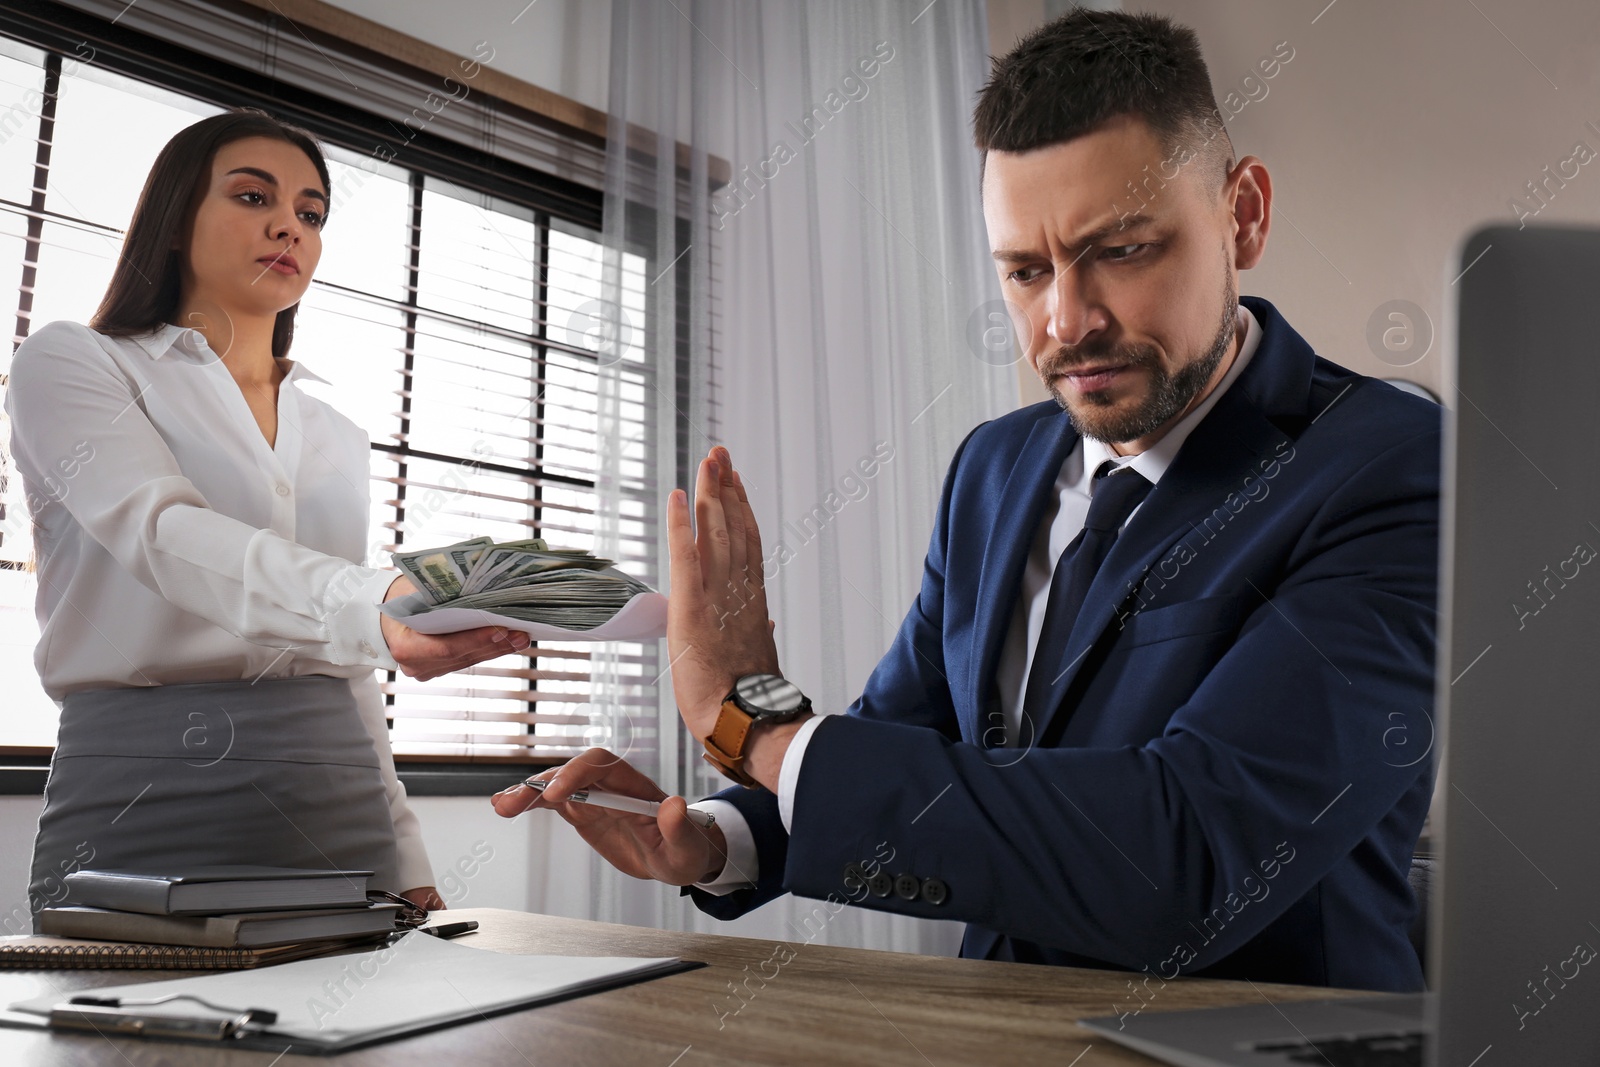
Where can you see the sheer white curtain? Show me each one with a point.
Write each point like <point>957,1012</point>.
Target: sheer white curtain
<point>830,315</point>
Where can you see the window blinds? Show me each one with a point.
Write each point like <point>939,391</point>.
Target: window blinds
<point>456,315</point>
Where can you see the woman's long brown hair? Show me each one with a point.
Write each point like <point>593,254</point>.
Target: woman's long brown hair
<point>147,284</point>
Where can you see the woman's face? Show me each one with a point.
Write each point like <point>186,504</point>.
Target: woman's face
<point>257,233</point>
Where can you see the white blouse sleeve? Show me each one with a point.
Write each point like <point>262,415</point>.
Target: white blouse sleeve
<point>133,499</point>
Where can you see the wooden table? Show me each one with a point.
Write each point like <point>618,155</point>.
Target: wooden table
<point>806,1004</point>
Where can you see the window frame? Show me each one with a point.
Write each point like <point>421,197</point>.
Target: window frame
<point>58,31</point>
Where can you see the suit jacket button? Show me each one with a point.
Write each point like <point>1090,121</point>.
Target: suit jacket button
<point>855,876</point>
<point>935,891</point>
<point>881,884</point>
<point>906,887</point>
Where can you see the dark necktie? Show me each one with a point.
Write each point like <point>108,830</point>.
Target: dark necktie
<point>1112,498</point>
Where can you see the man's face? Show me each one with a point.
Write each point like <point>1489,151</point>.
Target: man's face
<point>1127,322</point>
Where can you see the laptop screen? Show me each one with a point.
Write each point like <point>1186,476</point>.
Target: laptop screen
<point>1516,920</point>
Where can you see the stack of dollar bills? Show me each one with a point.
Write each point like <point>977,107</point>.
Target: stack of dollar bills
<point>526,580</point>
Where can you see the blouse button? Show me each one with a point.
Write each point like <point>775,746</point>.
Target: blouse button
<point>283,490</point>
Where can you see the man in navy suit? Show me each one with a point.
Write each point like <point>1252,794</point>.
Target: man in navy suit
<point>1162,700</point>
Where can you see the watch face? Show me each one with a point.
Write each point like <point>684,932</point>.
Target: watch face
<point>769,693</point>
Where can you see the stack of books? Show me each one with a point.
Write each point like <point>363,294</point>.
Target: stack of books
<point>202,918</point>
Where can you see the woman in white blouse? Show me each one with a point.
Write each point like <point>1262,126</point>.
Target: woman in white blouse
<point>199,527</point>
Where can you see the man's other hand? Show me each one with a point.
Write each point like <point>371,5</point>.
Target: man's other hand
<point>667,848</point>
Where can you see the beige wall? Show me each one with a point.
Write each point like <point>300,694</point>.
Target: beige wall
<point>560,45</point>
<point>1398,126</point>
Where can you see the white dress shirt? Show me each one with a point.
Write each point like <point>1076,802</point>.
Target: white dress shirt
<point>175,545</point>
<point>1062,521</point>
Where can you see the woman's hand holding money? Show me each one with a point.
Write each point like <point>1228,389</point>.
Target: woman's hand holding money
<point>423,656</point>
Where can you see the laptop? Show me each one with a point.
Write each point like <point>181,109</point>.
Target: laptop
<point>1515,915</point>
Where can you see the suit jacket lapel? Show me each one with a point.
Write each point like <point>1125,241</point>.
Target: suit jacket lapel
<point>1021,506</point>
<point>1215,460</point>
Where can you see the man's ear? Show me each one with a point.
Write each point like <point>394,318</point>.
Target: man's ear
<point>1250,187</point>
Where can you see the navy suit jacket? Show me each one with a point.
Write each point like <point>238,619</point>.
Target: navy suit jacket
<point>1233,769</point>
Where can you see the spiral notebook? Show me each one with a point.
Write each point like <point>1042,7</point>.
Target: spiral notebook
<point>41,952</point>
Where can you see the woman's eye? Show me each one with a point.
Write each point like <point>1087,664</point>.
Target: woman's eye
<point>314,218</point>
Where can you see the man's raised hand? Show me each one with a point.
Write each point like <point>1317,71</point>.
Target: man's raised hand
<point>717,626</point>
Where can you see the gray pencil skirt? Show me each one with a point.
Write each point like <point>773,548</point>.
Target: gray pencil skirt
<point>278,772</point>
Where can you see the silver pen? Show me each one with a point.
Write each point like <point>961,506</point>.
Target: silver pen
<point>617,802</point>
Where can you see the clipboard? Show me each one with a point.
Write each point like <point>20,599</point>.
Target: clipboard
<point>332,1004</point>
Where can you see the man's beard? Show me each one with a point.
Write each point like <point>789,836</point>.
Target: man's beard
<point>1170,392</point>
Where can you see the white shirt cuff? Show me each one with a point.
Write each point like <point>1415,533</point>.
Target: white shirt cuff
<point>789,773</point>
<point>742,866</point>
<point>355,625</point>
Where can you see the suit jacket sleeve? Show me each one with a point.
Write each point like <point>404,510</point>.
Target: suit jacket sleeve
<point>908,686</point>
<point>1114,852</point>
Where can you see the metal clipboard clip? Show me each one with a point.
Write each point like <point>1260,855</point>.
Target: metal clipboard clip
<point>123,1017</point>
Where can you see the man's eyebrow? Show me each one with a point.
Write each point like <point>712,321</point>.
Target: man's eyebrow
<point>1094,236</point>
<point>266,176</point>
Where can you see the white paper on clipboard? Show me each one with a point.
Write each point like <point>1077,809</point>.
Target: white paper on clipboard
<point>418,983</point>
<point>641,619</point>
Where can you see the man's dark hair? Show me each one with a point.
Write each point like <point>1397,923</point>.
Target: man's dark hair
<point>1069,76</point>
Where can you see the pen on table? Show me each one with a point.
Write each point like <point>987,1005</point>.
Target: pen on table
<point>617,802</point>
<point>449,930</point>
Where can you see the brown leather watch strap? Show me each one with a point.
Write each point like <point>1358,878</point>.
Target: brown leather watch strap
<point>725,745</point>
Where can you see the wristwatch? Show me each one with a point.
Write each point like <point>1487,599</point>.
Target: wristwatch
<point>756,700</point>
